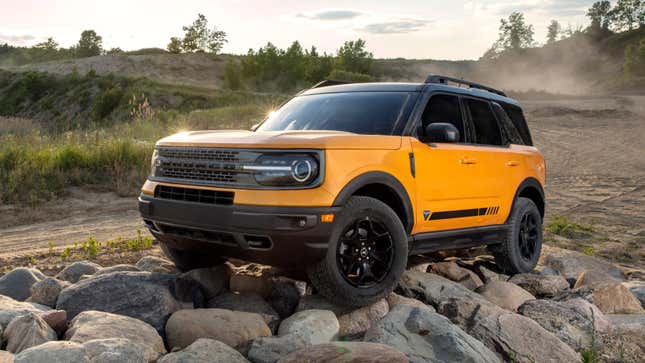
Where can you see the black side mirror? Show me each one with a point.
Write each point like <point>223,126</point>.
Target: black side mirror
<point>441,132</point>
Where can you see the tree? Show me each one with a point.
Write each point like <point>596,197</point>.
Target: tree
<point>628,14</point>
<point>90,44</point>
<point>49,44</point>
<point>599,13</point>
<point>114,51</point>
<point>232,75</point>
<point>553,31</point>
<point>635,60</point>
<point>175,45</point>
<point>198,38</point>
<point>514,33</point>
<point>216,40</point>
<point>353,57</point>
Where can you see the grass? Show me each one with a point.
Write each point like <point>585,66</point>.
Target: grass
<point>562,226</point>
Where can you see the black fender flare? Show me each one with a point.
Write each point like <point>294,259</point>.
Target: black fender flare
<point>529,182</point>
<point>378,177</point>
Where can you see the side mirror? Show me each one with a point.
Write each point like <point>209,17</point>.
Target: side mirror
<point>254,127</point>
<point>441,132</point>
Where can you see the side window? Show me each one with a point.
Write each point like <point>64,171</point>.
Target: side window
<point>486,128</point>
<point>516,115</point>
<point>509,131</point>
<point>444,108</point>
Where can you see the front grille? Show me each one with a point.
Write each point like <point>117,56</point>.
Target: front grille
<point>199,153</point>
<point>194,195</point>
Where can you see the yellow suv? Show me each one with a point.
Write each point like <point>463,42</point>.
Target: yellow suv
<point>346,181</point>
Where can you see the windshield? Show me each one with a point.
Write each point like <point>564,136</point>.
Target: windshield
<point>371,113</point>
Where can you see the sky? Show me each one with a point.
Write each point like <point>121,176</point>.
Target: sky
<point>419,29</point>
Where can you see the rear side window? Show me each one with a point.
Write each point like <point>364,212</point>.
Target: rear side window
<point>516,115</point>
<point>486,128</point>
<point>510,133</point>
<point>444,108</point>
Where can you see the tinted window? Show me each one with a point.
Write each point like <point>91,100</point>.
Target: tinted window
<point>444,108</point>
<point>374,113</point>
<point>486,128</point>
<point>509,131</point>
<point>516,115</point>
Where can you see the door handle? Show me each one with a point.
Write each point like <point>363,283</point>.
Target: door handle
<point>512,163</point>
<point>468,161</point>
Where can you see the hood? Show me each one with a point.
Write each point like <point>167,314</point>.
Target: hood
<point>282,140</point>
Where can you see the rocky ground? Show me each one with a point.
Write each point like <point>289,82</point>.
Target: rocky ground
<point>573,308</point>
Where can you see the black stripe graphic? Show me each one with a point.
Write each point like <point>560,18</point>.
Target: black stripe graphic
<point>462,213</point>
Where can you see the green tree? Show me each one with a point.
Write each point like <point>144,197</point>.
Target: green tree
<point>175,45</point>
<point>49,44</point>
<point>232,76</point>
<point>89,45</point>
<point>599,13</point>
<point>628,14</point>
<point>216,40</point>
<point>635,60</point>
<point>198,38</point>
<point>514,33</point>
<point>317,67</point>
<point>353,57</point>
<point>553,31</point>
<point>115,50</point>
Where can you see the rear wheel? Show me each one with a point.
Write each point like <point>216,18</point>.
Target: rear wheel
<point>366,256</point>
<point>521,249</point>
<point>186,260</point>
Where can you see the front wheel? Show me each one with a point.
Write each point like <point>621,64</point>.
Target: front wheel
<point>366,256</point>
<point>521,249</point>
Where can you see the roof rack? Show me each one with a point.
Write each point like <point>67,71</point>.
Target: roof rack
<point>329,82</point>
<point>444,80</point>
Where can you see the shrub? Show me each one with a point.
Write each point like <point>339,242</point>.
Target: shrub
<point>106,103</point>
<point>340,75</point>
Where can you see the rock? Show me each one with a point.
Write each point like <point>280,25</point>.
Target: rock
<point>541,285</point>
<point>46,291</point>
<point>318,302</point>
<point>505,294</point>
<point>236,329</point>
<point>454,272</point>
<point>616,299</point>
<point>116,268</point>
<point>212,280</point>
<point>546,271</point>
<point>74,271</point>
<point>156,264</point>
<point>571,264</point>
<point>248,302</point>
<point>425,336</point>
<point>626,320</point>
<point>58,351</point>
<point>17,283</point>
<point>10,308</point>
<point>637,288</point>
<point>359,320</point>
<point>253,278</point>
<point>490,275</point>
<point>56,319</point>
<point>284,297</point>
<point>205,351</point>
<point>561,319</point>
<point>6,357</point>
<point>27,331</point>
<point>272,349</point>
<point>311,326</point>
<point>591,312</point>
<point>141,295</point>
<point>346,352</point>
<point>430,288</point>
<point>90,325</point>
<point>396,299</point>
<point>594,279</point>
<point>114,350</point>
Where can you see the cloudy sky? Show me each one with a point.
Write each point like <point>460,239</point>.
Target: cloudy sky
<point>456,29</point>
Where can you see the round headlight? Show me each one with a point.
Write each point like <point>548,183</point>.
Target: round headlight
<point>284,169</point>
<point>301,170</point>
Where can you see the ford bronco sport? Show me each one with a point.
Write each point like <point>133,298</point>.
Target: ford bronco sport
<point>346,181</point>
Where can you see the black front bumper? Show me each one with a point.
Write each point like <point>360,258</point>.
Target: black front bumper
<point>281,236</point>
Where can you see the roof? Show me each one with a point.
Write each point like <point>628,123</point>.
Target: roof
<point>408,87</point>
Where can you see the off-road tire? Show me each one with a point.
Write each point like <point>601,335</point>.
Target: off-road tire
<point>187,260</point>
<point>508,254</point>
<point>326,275</point>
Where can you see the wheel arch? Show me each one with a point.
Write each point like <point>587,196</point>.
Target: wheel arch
<point>384,187</point>
<point>532,189</point>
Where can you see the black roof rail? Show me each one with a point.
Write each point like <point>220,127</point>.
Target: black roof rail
<point>329,82</point>
<point>444,80</point>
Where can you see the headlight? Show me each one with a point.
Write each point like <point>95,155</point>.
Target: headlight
<point>154,163</point>
<point>285,169</point>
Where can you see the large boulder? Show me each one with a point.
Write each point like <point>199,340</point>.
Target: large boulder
<point>454,272</point>
<point>142,295</point>
<point>115,350</point>
<point>595,279</point>
<point>311,326</point>
<point>637,288</point>
<point>94,351</point>
<point>346,352</point>
<point>205,351</point>
<point>248,302</point>
<point>616,299</point>
<point>571,264</point>
<point>425,336</point>
<point>75,270</point>
<point>505,294</point>
<point>116,268</point>
<point>91,325</point>
<point>46,291</point>
<point>591,312</point>
<point>212,280</point>
<point>27,331</point>
<point>56,319</point>
<point>17,283</point>
<point>10,308</point>
<point>57,351</point>
<point>394,299</point>
<point>319,302</point>
<point>561,319</point>
<point>359,320</point>
<point>156,264</point>
<point>541,285</point>
<point>430,288</point>
<point>236,329</point>
<point>272,349</point>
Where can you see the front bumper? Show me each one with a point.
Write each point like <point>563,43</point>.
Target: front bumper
<point>281,236</point>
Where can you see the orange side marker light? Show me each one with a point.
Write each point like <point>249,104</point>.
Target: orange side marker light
<point>327,218</point>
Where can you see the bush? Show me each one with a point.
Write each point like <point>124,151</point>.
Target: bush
<point>232,76</point>
<point>340,75</point>
<point>106,103</point>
